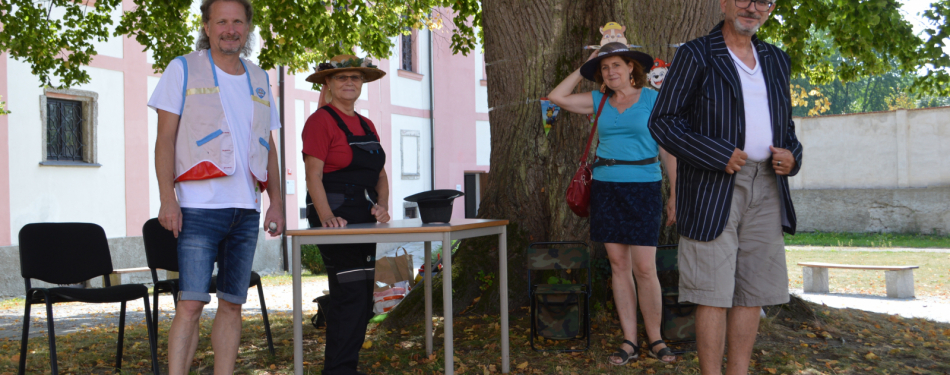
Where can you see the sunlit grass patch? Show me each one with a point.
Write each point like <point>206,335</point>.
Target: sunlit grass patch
<point>867,240</point>
<point>932,279</point>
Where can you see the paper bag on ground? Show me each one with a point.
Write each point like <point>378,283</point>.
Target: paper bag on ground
<point>390,270</point>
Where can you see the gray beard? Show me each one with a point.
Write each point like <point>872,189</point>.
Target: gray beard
<point>742,30</point>
<point>232,51</point>
<point>235,50</point>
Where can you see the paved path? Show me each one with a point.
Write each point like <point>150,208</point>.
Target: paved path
<point>72,317</point>
<point>923,307</point>
<point>869,249</point>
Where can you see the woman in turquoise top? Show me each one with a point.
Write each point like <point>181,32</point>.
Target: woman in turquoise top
<point>625,202</point>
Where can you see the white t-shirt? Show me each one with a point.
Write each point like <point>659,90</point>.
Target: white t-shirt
<point>238,190</point>
<point>758,120</point>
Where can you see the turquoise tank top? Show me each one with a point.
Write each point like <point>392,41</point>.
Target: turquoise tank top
<point>625,136</point>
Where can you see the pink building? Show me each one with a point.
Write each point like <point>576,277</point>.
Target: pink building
<point>430,110</point>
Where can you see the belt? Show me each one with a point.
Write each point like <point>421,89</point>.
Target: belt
<point>611,162</point>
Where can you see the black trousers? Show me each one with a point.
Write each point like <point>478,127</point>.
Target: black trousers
<point>351,272</point>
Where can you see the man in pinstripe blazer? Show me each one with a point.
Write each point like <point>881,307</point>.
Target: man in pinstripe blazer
<point>725,112</point>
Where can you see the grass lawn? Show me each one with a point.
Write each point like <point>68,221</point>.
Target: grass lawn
<point>11,303</point>
<point>867,240</point>
<point>932,279</point>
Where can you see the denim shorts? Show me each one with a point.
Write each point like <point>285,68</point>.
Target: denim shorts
<point>226,236</point>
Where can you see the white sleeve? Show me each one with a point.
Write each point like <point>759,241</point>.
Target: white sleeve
<point>168,93</point>
<point>274,113</point>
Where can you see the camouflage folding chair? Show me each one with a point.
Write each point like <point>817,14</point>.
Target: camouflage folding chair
<point>559,311</point>
<point>678,319</point>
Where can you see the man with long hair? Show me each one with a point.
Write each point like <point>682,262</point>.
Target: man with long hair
<point>213,156</point>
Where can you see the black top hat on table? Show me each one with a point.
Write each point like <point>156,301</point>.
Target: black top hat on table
<point>435,206</point>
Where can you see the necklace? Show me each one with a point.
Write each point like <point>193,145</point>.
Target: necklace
<point>741,65</point>
<point>744,68</point>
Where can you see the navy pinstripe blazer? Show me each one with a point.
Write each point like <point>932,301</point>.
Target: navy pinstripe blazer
<point>699,117</point>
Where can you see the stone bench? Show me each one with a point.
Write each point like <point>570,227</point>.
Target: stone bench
<point>899,279</point>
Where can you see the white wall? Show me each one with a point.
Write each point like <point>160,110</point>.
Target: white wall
<point>53,194</point>
<point>407,92</point>
<point>300,82</point>
<point>401,187</point>
<point>482,143</point>
<point>481,92</point>
<point>300,119</point>
<point>154,199</point>
<point>884,150</point>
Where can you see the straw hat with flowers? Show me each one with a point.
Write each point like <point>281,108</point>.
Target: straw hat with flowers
<point>342,63</point>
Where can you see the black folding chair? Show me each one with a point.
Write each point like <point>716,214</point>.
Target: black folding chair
<point>70,253</point>
<point>161,252</point>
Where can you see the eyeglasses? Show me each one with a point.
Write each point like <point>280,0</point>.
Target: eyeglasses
<point>760,5</point>
<point>343,78</point>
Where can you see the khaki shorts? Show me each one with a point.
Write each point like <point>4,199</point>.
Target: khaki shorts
<point>745,265</point>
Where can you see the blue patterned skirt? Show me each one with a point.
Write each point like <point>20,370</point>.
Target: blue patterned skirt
<point>625,212</point>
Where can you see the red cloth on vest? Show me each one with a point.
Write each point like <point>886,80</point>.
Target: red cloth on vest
<point>324,140</point>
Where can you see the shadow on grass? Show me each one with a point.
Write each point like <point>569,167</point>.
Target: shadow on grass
<point>804,339</point>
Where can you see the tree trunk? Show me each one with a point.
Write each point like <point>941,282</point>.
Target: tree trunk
<point>530,46</point>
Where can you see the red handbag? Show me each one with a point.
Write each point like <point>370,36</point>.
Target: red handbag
<point>578,191</point>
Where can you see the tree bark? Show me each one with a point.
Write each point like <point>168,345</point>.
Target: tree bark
<point>530,46</point>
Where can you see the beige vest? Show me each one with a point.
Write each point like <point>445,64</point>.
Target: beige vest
<point>204,148</point>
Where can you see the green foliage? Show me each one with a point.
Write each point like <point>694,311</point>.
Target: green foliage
<point>55,46</point>
<point>3,107</point>
<point>296,34</point>
<point>871,36</point>
<point>163,27</point>
<point>878,92</point>
<point>485,280</point>
<point>311,259</point>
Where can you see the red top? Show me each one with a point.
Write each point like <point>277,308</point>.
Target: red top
<point>324,140</point>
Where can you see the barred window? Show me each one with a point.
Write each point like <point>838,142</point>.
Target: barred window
<point>64,135</point>
<point>68,119</point>
<point>407,53</point>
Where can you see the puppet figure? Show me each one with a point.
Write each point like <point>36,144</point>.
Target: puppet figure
<point>658,73</point>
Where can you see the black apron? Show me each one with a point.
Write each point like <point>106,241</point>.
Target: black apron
<point>350,267</point>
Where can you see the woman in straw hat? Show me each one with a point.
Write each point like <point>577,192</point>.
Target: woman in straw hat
<point>625,198</point>
<point>345,175</point>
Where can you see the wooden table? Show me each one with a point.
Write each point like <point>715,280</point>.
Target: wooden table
<point>410,231</point>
